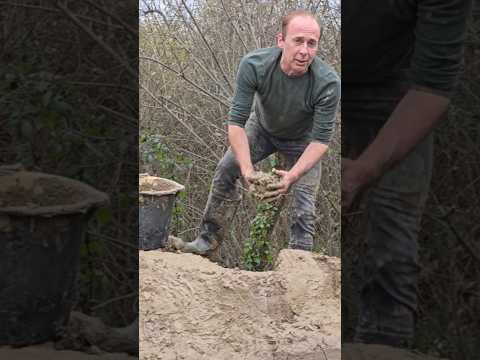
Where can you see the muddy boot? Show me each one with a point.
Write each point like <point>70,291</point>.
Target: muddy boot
<point>199,246</point>
<point>216,220</point>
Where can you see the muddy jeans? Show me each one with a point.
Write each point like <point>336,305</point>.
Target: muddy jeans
<point>388,298</point>
<point>224,195</point>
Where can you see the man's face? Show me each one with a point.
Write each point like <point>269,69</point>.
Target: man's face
<point>299,45</point>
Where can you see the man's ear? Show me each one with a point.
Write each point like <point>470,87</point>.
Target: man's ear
<point>280,40</point>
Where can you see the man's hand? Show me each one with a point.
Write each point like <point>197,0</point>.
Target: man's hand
<point>250,177</point>
<point>355,176</point>
<point>280,188</point>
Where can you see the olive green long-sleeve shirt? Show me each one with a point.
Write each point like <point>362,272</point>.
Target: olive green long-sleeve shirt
<point>287,107</point>
<point>419,40</point>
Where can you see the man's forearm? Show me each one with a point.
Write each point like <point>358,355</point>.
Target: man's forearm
<point>311,155</point>
<point>414,118</point>
<point>240,147</point>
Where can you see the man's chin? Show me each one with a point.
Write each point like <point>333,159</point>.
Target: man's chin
<point>301,69</point>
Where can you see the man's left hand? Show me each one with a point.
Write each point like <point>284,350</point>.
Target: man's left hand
<point>355,177</point>
<point>275,191</point>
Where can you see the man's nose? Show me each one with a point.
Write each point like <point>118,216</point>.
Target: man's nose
<point>303,48</point>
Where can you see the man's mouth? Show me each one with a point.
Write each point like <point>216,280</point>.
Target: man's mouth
<point>301,62</point>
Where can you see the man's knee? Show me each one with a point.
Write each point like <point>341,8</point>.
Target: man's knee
<point>226,175</point>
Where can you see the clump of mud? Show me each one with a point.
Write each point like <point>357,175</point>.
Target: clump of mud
<point>158,185</point>
<point>155,186</point>
<point>260,187</point>
<point>24,191</point>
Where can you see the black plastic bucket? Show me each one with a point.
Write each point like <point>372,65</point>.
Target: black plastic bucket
<point>156,200</point>
<point>42,225</point>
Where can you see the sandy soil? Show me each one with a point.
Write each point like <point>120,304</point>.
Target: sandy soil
<point>24,189</point>
<point>379,352</point>
<point>191,308</point>
<point>47,352</point>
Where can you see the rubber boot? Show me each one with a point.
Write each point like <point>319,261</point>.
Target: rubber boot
<point>214,226</point>
<point>199,246</point>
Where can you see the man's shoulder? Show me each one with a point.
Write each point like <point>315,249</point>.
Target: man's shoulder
<point>262,55</point>
<point>323,71</point>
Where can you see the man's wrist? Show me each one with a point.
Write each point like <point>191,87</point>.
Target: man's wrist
<point>247,169</point>
<point>292,177</point>
<point>370,170</point>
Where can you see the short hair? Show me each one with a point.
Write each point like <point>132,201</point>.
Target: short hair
<point>297,13</point>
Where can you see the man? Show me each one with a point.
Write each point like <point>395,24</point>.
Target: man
<point>400,61</point>
<point>296,98</point>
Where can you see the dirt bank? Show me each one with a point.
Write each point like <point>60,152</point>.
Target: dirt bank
<point>190,308</point>
<point>48,352</point>
<point>379,352</point>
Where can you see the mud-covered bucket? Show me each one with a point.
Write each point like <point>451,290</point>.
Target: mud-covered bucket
<point>156,200</point>
<point>43,221</point>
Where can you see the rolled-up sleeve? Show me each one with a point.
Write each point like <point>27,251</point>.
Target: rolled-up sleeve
<point>246,85</point>
<point>439,40</point>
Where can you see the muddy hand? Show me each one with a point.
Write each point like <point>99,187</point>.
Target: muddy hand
<point>278,189</point>
<point>355,177</point>
<point>251,177</point>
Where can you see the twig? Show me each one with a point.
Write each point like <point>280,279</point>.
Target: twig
<point>131,30</point>
<point>325,194</point>
<point>473,252</point>
<point>208,46</point>
<point>207,123</point>
<point>97,39</point>
<point>192,56</point>
<point>250,25</point>
<point>111,239</point>
<point>181,75</point>
<point>53,10</point>
<point>101,84</point>
<point>233,25</point>
<point>134,121</point>
<point>200,140</point>
<point>117,298</point>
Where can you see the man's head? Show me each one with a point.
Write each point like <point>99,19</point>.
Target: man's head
<point>299,40</point>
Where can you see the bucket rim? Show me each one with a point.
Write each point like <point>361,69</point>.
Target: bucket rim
<point>93,198</point>
<point>176,187</point>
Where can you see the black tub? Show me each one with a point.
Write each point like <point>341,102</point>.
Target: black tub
<point>43,220</point>
<point>156,200</point>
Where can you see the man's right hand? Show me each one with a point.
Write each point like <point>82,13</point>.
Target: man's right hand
<point>250,177</point>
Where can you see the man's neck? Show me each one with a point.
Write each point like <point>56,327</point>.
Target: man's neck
<point>287,71</point>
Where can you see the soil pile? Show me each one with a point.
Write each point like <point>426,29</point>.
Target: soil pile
<point>27,190</point>
<point>48,352</point>
<point>158,186</point>
<point>379,352</point>
<point>191,308</point>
